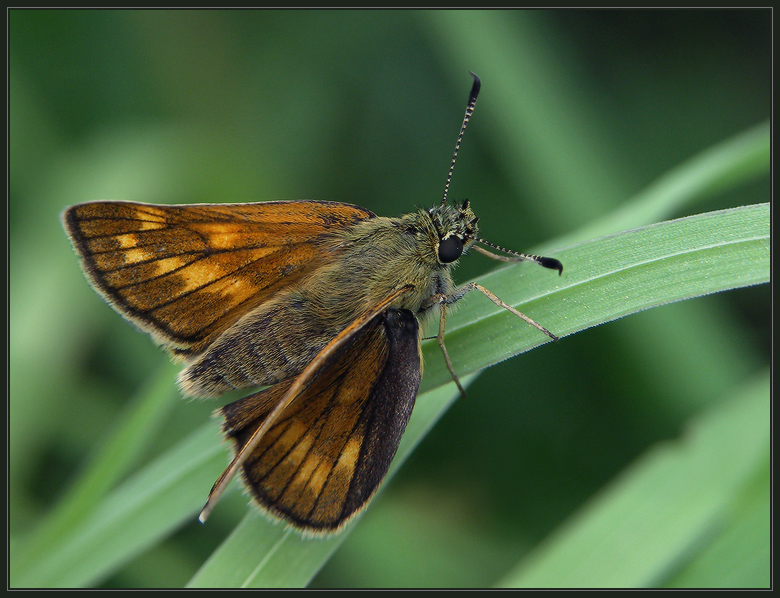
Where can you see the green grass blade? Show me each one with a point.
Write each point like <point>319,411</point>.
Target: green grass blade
<point>715,170</point>
<point>138,513</point>
<point>738,555</point>
<point>670,505</point>
<point>140,422</point>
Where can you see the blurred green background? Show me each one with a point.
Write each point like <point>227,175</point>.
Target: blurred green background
<point>579,111</point>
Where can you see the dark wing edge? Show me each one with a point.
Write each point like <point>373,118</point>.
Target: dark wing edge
<point>369,418</point>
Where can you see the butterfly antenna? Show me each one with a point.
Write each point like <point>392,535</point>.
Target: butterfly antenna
<point>515,256</point>
<point>469,110</point>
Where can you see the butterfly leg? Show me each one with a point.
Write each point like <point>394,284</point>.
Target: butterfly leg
<point>443,300</point>
<point>459,293</point>
<point>440,340</point>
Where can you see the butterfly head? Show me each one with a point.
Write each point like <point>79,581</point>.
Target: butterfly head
<point>456,228</point>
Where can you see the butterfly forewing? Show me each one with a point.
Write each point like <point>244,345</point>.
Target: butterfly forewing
<point>327,453</point>
<point>158,265</point>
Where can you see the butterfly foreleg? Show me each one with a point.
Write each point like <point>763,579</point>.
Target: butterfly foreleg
<point>445,299</point>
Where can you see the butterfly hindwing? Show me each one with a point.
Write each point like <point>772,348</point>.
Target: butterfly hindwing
<point>328,451</point>
<point>157,265</point>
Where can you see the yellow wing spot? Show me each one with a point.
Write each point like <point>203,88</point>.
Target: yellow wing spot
<point>169,264</point>
<point>127,241</point>
<point>348,458</point>
<point>335,486</point>
<point>307,469</point>
<point>151,216</point>
<point>298,453</point>
<point>239,290</point>
<point>224,236</point>
<point>239,286</point>
<point>225,241</point>
<point>199,274</point>
<point>318,477</point>
<point>304,467</point>
<point>292,434</point>
<point>147,225</point>
<point>135,256</point>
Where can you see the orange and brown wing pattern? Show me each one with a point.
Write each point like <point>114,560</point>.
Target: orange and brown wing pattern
<point>327,453</point>
<point>184,273</point>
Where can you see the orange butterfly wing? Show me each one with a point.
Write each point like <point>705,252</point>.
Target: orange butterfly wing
<point>184,273</point>
<point>326,454</point>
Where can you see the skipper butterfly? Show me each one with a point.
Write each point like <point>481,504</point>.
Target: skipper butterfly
<point>320,302</point>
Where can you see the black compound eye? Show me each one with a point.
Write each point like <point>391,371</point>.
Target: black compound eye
<point>450,249</point>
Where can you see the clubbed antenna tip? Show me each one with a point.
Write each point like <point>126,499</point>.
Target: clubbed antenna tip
<point>551,263</point>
